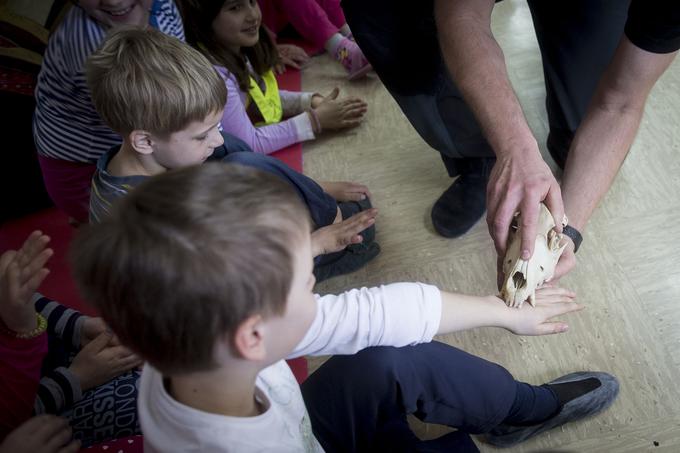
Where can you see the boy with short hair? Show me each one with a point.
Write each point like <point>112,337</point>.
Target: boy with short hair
<point>166,100</point>
<point>211,283</point>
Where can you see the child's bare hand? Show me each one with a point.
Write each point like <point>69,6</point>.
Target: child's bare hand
<point>336,237</point>
<point>92,328</point>
<point>550,303</point>
<point>345,191</point>
<point>101,360</point>
<point>21,273</point>
<point>291,55</point>
<point>41,434</point>
<point>340,114</point>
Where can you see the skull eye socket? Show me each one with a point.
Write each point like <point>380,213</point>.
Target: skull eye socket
<point>518,280</point>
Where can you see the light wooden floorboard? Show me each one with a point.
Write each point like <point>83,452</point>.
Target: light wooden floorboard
<point>628,273</point>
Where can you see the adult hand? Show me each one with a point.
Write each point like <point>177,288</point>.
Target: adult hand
<point>340,114</point>
<point>519,181</point>
<point>21,273</point>
<point>345,191</point>
<point>550,302</point>
<point>102,360</point>
<point>41,434</point>
<point>336,237</point>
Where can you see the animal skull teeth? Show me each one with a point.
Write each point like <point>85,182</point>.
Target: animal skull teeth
<point>523,277</point>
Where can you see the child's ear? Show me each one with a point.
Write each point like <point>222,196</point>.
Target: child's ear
<point>141,141</point>
<point>249,339</point>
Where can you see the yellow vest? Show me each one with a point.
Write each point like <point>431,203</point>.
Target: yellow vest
<point>269,102</point>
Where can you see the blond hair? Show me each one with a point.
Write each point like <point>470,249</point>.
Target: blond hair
<point>143,79</point>
<point>187,256</point>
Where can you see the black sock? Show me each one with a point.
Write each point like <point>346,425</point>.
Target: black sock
<point>568,391</point>
<point>533,404</point>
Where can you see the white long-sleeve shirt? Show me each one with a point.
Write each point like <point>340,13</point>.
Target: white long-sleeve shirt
<point>399,314</point>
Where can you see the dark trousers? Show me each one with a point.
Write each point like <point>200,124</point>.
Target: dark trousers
<point>360,402</point>
<point>577,40</point>
<point>322,207</point>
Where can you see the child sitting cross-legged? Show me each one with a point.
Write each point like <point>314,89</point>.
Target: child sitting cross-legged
<point>230,35</point>
<point>165,100</point>
<point>211,284</point>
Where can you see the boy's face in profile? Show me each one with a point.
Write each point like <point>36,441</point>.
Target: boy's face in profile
<point>190,146</point>
<point>111,13</point>
<point>287,331</point>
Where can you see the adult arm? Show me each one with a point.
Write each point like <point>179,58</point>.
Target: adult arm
<point>520,179</point>
<point>604,138</point>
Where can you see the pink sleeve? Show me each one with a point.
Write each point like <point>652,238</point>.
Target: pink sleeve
<point>265,139</point>
<point>20,362</point>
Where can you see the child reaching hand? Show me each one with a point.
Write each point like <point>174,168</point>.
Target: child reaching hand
<point>215,304</point>
<point>230,35</point>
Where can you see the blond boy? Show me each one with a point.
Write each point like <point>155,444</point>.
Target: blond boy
<point>166,100</point>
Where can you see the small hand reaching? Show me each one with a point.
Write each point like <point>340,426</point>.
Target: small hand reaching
<point>550,302</point>
<point>101,360</point>
<point>290,55</point>
<point>21,273</point>
<point>345,191</point>
<point>41,434</point>
<point>92,328</point>
<point>336,237</point>
<point>340,114</point>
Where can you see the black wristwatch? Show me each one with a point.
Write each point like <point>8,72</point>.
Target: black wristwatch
<point>575,236</point>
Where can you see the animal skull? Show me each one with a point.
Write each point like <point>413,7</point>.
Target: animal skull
<point>522,278</point>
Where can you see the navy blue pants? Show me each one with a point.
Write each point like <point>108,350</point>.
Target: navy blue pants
<point>360,402</point>
<point>399,37</point>
<point>322,207</point>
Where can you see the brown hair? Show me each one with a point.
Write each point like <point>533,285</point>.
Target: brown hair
<point>145,79</point>
<point>189,255</point>
<point>198,16</point>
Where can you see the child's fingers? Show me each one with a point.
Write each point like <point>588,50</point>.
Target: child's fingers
<point>35,242</point>
<point>99,343</point>
<point>550,328</point>
<point>332,95</point>
<point>129,362</point>
<point>552,291</point>
<point>72,447</point>
<point>34,282</point>
<point>5,260</point>
<point>562,308</point>
<point>347,124</point>
<point>33,267</point>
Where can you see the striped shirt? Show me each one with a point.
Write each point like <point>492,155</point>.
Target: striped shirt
<point>66,125</point>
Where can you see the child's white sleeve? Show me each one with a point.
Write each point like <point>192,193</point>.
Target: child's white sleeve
<point>398,314</point>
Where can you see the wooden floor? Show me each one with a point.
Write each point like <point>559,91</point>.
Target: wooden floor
<point>628,272</point>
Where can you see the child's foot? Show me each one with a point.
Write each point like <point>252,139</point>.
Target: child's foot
<point>348,53</point>
<point>581,395</point>
<point>353,258</point>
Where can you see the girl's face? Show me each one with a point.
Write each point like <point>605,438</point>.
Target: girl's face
<point>238,24</point>
<point>111,13</point>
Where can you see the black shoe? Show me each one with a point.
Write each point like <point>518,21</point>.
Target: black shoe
<point>588,404</point>
<point>460,207</point>
<point>353,258</point>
